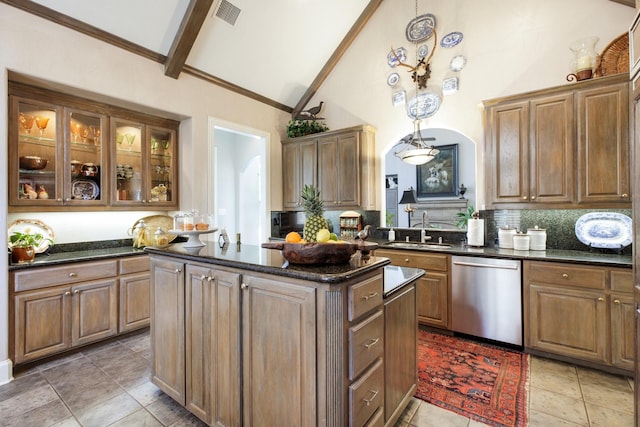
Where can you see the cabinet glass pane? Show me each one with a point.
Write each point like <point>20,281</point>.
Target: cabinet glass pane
<point>129,162</point>
<point>37,148</point>
<point>85,154</point>
<point>161,145</point>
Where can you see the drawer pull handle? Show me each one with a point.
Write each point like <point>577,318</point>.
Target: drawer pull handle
<point>374,393</point>
<point>210,278</point>
<point>203,277</point>
<point>616,301</point>
<point>76,291</point>
<point>244,286</point>
<point>600,299</point>
<point>371,295</point>
<point>406,260</point>
<point>625,195</point>
<point>178,271</point>
<point>565,276</point>
<point>371,343</point>
<point>67,293</point>
<point>73,274</point>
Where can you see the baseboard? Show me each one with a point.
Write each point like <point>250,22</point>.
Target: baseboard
<point>6,371</point>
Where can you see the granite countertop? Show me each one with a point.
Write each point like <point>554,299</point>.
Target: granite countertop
<point>93,254</point>
<point>269,261</point>
<point>557,255</point>
<point>396,278</point>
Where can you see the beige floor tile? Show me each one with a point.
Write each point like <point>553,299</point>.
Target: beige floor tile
<point>558,405</point>
<point>140,418</point>
<point>555,376</point>
<point>28,400</point>
<point>43,415</point>
<point>600,416</point>
<point>473,423</point>
<point>592,377</point>
<point>540,419</point>
<point>108,411</point>
<point>408,413</point>
<point>69,422</point>
<point>146,393</point>
<point>431,416</point>
<point>169,412</point>
<point>619,400</point>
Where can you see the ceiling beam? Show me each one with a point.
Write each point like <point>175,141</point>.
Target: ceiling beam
<point>337,54</point>
<point>630,3</point>
<point>194,17</point>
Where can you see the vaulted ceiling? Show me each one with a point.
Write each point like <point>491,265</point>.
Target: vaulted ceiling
<point>277,51</point>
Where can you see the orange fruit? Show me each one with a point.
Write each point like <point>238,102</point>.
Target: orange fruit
<point>293,237</point>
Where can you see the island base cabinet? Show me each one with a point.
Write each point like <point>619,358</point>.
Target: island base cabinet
<point>134,293</point>
<point>279,353</point>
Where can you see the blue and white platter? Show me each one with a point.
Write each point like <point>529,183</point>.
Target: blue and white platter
<point>610,230</point>
<point>421,28</point>
<point>423,106</point>
<point>400,53</point>
<point>451,39</point>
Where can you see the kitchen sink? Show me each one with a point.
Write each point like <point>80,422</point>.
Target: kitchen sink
<point>416,245</point>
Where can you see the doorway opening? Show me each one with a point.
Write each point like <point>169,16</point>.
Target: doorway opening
<point>238,171</point>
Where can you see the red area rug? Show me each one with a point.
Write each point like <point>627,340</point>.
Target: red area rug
<point>480,381</point>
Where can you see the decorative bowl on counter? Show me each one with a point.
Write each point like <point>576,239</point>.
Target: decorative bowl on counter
<point>318,253</point>
<point>32,163</point>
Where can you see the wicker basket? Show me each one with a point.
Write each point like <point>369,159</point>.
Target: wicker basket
<point>615,57</point>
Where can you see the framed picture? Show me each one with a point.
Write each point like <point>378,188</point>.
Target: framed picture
<point>439,177</point>
<point>634,46</point>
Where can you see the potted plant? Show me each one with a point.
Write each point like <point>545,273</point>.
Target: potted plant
<point>23,245</point>
<point>297,128</point>
<point>464,217</point>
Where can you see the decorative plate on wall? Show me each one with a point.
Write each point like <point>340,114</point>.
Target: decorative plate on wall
<point>457,63</point>
<point>421,28</point>
<point>401,53</point>
<point>393,79</point>
<point>451,39</point>
<point>610,230</point>
<point>423,106</point>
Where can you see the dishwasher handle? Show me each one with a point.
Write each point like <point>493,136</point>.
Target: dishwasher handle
<point>475,264</point>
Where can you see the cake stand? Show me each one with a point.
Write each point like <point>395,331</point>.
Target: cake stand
<point>194,236</point>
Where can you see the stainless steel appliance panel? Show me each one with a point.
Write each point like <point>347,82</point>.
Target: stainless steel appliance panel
<point>487,298</point>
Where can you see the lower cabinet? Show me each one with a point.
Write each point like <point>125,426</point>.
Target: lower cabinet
<point>580,312</point>
<point>54,309</point>
<point>433,289</point>
<point>224,340</point>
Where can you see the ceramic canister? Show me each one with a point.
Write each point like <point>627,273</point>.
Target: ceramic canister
<point>521,242</point>
<point>505,237</point>
<point>538,239</point>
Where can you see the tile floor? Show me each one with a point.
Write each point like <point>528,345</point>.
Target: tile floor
<point>108,385</point>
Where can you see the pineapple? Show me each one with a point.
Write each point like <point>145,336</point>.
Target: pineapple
<point>313,208</point>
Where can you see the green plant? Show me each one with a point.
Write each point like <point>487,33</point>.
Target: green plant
<point>24,239</point>
<point>389,219</point>
<point>304,127</point>
<point>464,217</point>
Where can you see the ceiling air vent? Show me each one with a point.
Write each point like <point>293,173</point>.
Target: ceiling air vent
<point>228,12</point>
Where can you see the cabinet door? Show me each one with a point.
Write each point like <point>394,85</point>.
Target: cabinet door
<point>569,322</point>
<point>167,328</point>
<point>279,353</point>
<point>130,163</point>
<point>299,164</point>
<point>622,332</point>
<point>35,131</point>
<point>95,311</point>
<point>328,172</point>
<point>339,170</point>
<point>43,323</point>
<point>603,144</point>
<point>433,300</point>
<point>85,170</point>
<point>134,302</point>
<point>507,153</point>
<point>551,150</point>
<point>161,183</point>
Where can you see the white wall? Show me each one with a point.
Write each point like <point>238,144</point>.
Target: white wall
<point>510,46</point>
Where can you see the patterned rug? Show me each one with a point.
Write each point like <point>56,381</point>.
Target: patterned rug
<point>480,381</point>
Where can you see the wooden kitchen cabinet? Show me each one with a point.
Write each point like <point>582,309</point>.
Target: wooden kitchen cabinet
<point>99,157</point>
<point>134,287</point>
<point>536,141</point>
<point>58,308</point>
<point>433,289</point>
<point>579,312</point>
<point>300,165</point>
<point>343,168</point>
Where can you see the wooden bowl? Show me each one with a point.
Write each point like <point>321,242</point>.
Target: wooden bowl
<point>32,163</point>
<point>314,253</point>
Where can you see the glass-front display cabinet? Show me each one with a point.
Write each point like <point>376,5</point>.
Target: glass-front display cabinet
<point>144,165</point>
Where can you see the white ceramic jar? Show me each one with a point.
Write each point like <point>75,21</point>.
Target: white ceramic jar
<point>521,242</point>
<point>505,237</point>
<point>538,239</point>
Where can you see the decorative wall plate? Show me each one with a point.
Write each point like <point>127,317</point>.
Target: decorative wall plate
<point>423,106</point>
<point>450,86</point>
<point>421,28</point>
<point>457,63</point>
<point>84,189</point>
<point>451,39</point>
<point>393,79</point>
<point>33,226</point>
<point>400,53</point>
<point>423,50</point>
<point>399,98</point>
<point>604,230</point>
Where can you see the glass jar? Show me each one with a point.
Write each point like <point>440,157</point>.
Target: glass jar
<point>161,237</point>
<point>141,235</point>
<point>184,221</point>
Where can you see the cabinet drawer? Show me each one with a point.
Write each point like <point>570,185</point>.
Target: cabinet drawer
<point>622,280</point>
<point>430,262</point>
<point>36,278</point>
<point>134,264</point>
<point>366,395</point>
<point>366,343</point>
<point>365,296</point>
<point>565,275</point>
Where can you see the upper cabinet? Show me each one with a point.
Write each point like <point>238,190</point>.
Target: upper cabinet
<point>340,163</point>
<point>561,147</point>
<point>67,153</point>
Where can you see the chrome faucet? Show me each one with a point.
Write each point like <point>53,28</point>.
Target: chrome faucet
<point>425,222</point>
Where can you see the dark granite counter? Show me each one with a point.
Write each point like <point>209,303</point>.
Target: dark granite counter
<point>92,254</point>
<point>269,261</point>
<point>557,255</point>
<point>396,278</point>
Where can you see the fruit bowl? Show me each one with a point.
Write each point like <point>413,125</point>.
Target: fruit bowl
<point>315,253</point>
<point>32,163</point>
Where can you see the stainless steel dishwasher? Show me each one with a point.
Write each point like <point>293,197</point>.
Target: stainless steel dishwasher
<point>487,298</point>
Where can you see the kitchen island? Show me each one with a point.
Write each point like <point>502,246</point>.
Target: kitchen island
<point>241,337</point>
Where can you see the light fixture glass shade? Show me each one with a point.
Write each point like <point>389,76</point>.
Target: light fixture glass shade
<point>417,156</point>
